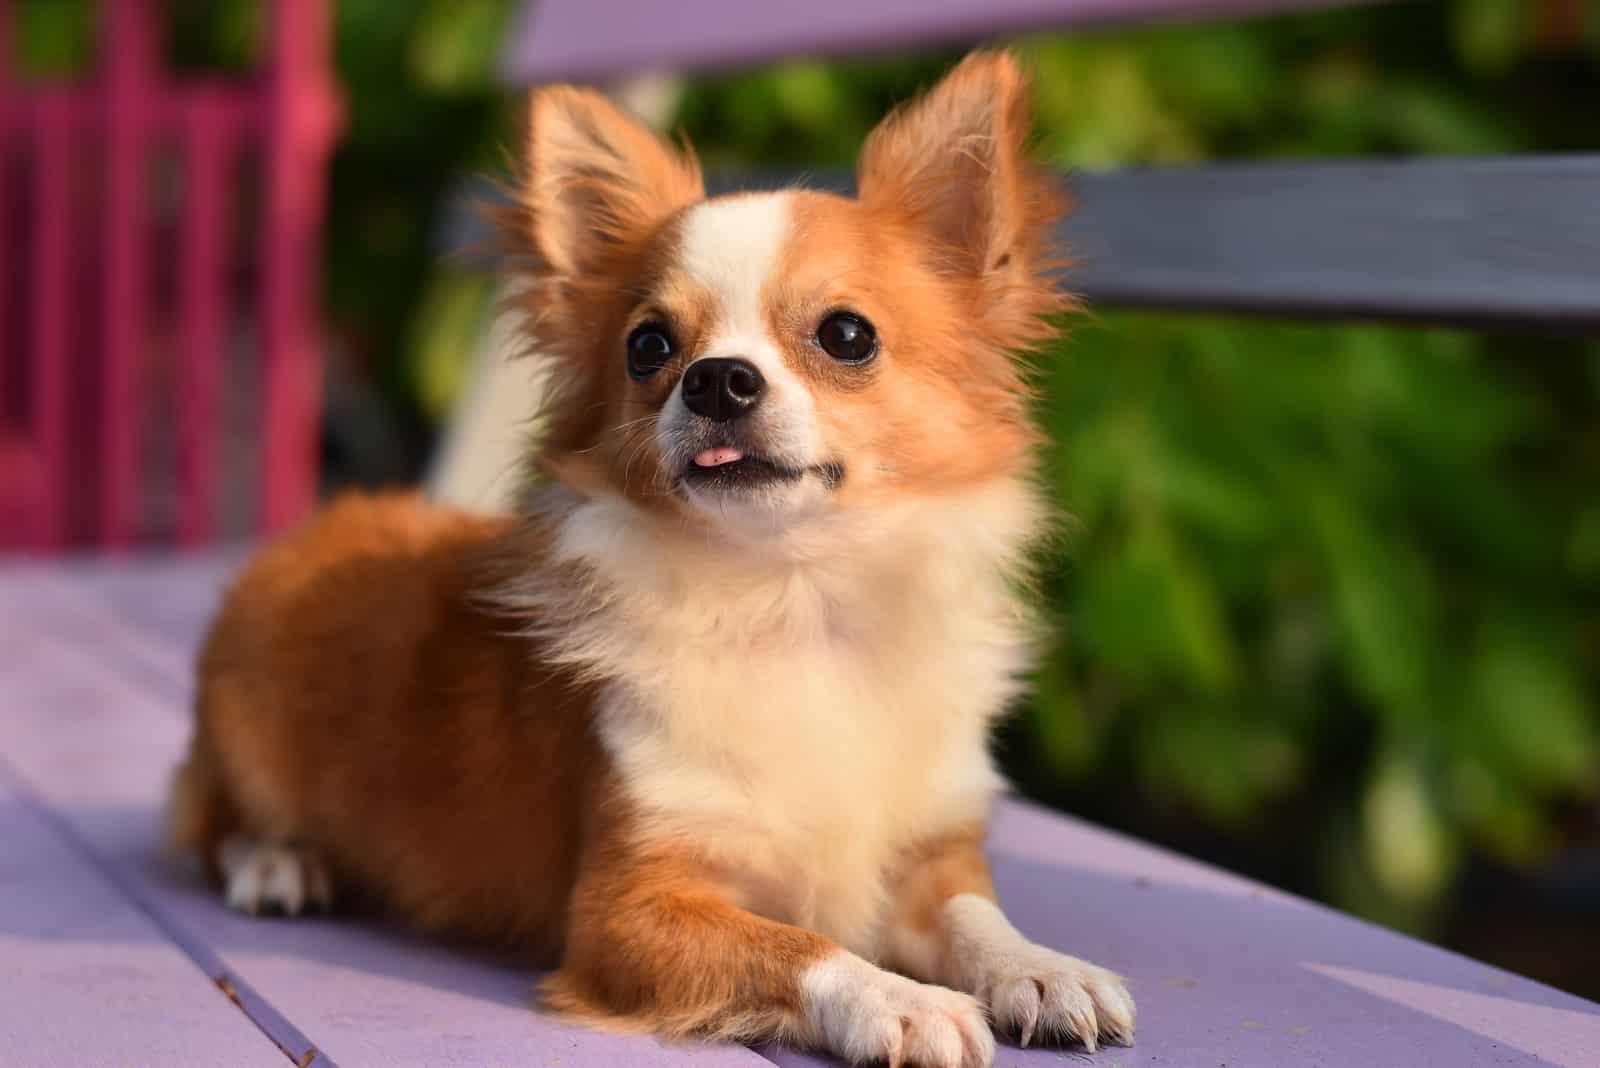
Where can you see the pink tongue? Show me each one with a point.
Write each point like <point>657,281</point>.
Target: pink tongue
<point>718,456</point>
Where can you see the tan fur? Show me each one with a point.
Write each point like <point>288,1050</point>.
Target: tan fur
<point>930,875</point>
<point>747,700</point>
<point>732,973</point>
<point>356,701</point>
<point>714,756</point>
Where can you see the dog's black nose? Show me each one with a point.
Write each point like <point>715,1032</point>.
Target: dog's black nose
<point>722,387</point>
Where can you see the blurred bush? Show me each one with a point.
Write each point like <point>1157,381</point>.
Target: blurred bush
<point>1331,608</point>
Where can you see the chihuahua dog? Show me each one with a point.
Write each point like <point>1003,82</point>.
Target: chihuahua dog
<point>704,726</point>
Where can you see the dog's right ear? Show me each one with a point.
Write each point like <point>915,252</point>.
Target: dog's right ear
<point>596,179</point>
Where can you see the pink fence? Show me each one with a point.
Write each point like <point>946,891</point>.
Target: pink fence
<point>159,239</point>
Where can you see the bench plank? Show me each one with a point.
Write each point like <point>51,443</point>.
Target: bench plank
<point>1226,970</point>
<point>603,39</point>
<point>1230,972</point>
<point>89,979</point>
<point>1476,242</point>
<point>1491,242</point>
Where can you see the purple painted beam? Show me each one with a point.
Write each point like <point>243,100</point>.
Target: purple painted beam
<point>86,978</point>
<point>1226,971</point>
<point>594,40</point>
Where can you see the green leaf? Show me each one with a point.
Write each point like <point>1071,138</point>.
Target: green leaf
<point>1583,545</point>
<point>1226,765</point>
<point>1383,596</point>
<point>445,334</point>
<point>1152,614</point>
<point>1489,33</point>
<point>1530,716</point>
<point>54,38</point>
<point>1068,741</point>
<point>457,42</point>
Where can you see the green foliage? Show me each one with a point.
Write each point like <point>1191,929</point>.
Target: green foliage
<point>1331,590</point>
<point>423,115</point>
<point>53,39</point>
<point>1289,533</point>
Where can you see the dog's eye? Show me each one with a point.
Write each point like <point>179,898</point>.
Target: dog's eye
<point>848,338</point>
<point>649,349</point>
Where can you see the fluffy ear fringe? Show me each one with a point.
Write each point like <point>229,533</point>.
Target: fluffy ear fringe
<point>594,178</point>
<point>593,185</point>
<point>956,165</point>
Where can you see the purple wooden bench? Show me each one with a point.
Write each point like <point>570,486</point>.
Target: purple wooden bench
<point>111,954</point>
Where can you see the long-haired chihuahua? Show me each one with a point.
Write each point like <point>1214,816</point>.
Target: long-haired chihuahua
<point>703,727</point>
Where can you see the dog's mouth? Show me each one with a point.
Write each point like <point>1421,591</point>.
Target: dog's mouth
<point>726,468</point>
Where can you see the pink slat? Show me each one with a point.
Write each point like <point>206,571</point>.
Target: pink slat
<point>9,358</point>
<point>208,147</point>
<point>128,41</point>
<point>7,107</point>
<point>55,130</point>
<point>300,127</point>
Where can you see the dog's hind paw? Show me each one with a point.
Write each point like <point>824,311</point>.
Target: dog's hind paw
<point>266,878</point>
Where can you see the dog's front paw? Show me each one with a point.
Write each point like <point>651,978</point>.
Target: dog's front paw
<point>1033,991</point>
<point>868,1015</point>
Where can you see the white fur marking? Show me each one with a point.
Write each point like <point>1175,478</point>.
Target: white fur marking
<point>730,248</point>
<point>868,647</point>
<point>865,1014</point>
<point>1031,989</point>
<point>264,877</point>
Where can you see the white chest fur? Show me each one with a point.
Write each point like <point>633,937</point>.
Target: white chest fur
<point>801,720</point>
<point>805,769</point>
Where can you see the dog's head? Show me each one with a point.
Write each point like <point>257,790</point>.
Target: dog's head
<point>761,360</point>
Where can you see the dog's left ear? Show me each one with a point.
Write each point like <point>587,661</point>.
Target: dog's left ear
<point>955,165</point>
